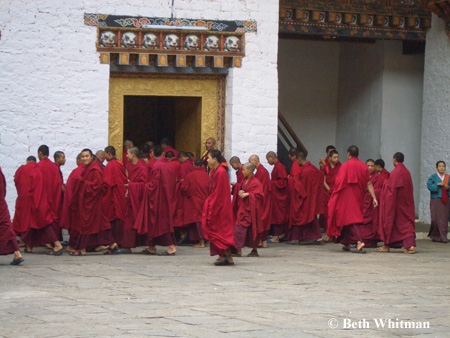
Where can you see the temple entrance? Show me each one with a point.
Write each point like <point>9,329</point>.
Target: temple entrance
<point>150,118</point>
<point>187,109</point>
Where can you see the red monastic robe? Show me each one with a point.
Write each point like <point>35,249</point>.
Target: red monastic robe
<point>194,189</point>
<point>330,178</point>
<point>263,176</point>
<point>324,167</point>
<point>53,187</point>
<point>32,209</point>
<point>65,221</point>
<point>397,207</point>
<point>217,218</point>
<point>186,168</point>
<point>295,169</point>
<point>385,174</point>
<point>137,179</point>
<point>279,195</point>
<point>114,180</point>
<point>306,194</point>
<point>86,205</point>
<point>8,241</point>
<point>369,231</point>
<point>247,212</point>
<point>177,166</point>
<point>173,150</point>
<point>158,207</point>
<point>346,202</point>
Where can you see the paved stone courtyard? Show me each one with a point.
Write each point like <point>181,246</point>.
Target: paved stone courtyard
<point>290,291</point>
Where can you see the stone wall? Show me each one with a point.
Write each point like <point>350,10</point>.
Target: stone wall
<point>436,109</point>
<point>55,91</point>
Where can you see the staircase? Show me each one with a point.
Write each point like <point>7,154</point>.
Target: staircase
<point>287,139</point>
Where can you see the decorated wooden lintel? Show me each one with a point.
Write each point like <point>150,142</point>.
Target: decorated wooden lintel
<point>442,9</point>
<point>376,19</point>
<point>220,47</point>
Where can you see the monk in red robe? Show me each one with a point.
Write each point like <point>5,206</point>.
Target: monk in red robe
<point>379,166</point>
<point>100,158</point>
<point>158,207</point>
<point>53,186</point>
<point>186,165</point>
<point>66,221</point>
<point>33,218</point>
<point>346,203</point>
<point>138,175</point>
<point>148,162</point>
<point>89,221</point>
<point>247,212</point>
<point>263,176</point>
<point>165,144</point>
<point>330,171</point>
<point>324,163</point>
<point>114,201</point>
<point>127,144</point>
<point>397,226</point>
<point>8,240</point>
<point>217,219</point>
<point>369,229</point>
<point>194,190</point>
<point>210,144</point>
<point>295,168</point>
<point>305,203</point>
<point>279,195</point>
<point>235,163</point>
<point>174,162</point>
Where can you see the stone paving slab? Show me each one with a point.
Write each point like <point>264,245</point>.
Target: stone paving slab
<point>290,291</point>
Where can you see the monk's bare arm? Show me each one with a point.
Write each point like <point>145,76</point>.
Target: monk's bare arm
<point>372,193</point>
<point>327,187</point>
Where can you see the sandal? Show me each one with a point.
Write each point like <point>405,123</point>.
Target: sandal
<point>410,251</point>
<point>17,261</point>
<point>146,252</point>
<point>110,252</point>
<point>77,253</point>
<point>382,249</point>
<point>55,253</point>
<point>122,252</point>
<point>253,253</point>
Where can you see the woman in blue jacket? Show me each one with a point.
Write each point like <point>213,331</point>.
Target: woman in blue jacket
<point>439,204</point>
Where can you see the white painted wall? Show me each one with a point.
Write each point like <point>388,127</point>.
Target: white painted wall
<point>54,90</point>
<point>308,84</point>
<point>436,109</point>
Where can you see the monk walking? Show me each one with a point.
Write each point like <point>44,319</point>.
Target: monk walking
<point>247,212</point>
<point>217,219</point>
<point>279,195</point>
<point>397,210</point>
<point>345,208</point>
<point>235,163</point>
<point>306,191</point>
<point>262,175</point>
<point>8,241</point>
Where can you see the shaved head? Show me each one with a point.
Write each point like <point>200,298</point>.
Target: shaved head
<point>249,166</point>
<point>271,154</point>
<point>100,153</point>
<point>254,159</point>
<point>235,159</point>
<point>210,143</point>
<point>128,144</point>
<point>247,169</point>
<point>134,150</point>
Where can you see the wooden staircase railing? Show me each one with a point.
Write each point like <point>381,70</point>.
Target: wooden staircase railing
<point>298,144</point>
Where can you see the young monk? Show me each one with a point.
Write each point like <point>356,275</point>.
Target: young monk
<point>262,175</point>
<point>331,170</point>
<point>114,201</point>
<point>8,241</point>
<point>33,218</point>
<point>158,207</point>
<point>279,195</point>
<point>345,207</point>
<point>379,166</point>
<point>369,229</point>
<point>295,168</point>
<point>89,221</point>
<point>186,165</point>
<point>217,219</point>
<point>324,163</point>
<point>173,161</point>
<point>194,190</point>
<point>397,210</point>
<point>438,186</point>
<point>305,203</point>
<point>247,210</point>
<point>235,163</point>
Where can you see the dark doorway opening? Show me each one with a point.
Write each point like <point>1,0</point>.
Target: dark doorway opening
<point>150,118</point>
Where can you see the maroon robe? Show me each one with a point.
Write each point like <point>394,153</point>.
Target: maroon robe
<point>330,178</point>
<point>346,202</point>
<point>385,174</point>
<point>158,207</point>
<point>194,190</point>
<point>172,149</point>
<point>247,213</point>
<point>114,200</point>
<point>8,240</point>
<point>306,193</point>
<point>186,168</point>
<point>397,226</point>
<point>53,183</point>
<point>33,218</point>
<point>295,169</point>
<point>134,235</point>
<point>239,179</point>
<point>177,166</point>
<point>217,218</point>
<point>279,195</point>
<point>369,229</point>
<point>263,176</point>
<point>89,221</point>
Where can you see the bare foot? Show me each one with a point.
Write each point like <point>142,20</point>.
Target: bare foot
<point>275,239</point>
<point>171,249</point>
<point>101,248</point>
<point>264,244</point>
<point>70,249</point>
<point>17,255</point>
<point>383,248</point>
<point>360,246</point>
<point>199,246</point>
<point>49,246</point>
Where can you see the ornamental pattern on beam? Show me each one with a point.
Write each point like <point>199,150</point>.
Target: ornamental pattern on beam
<point>376,19</point>
<point>442,9</point>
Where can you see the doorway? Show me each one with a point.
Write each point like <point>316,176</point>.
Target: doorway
<point>150,118</point>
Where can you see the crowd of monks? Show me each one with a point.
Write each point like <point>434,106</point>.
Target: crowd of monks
<point>158,196</point>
